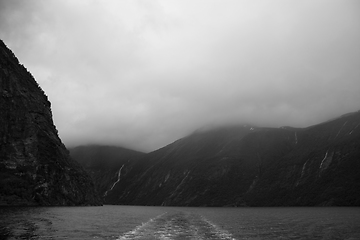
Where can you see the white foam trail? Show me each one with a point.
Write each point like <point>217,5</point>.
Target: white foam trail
<point>140,231</point>
<point>178,226</point>
<point>220,233</point>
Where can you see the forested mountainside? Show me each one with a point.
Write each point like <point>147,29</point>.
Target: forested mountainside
<point>103,163</point>
<point>249,166</point>
<point>35,166</point>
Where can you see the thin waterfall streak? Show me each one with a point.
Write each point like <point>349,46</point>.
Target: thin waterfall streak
<point>118,180</point>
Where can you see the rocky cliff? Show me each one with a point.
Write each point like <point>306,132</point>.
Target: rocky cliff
<point>35,166</point>
<point>250,166</point>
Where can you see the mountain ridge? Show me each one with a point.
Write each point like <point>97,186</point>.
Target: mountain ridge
<point>249,166</point>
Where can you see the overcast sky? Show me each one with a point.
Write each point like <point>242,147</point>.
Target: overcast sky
<point>144,73</point>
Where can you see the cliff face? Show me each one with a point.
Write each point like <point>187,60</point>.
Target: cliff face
<point>36,168</point>
<point>250,166</point>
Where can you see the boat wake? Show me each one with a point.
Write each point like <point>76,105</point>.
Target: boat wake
<point>176,226</point>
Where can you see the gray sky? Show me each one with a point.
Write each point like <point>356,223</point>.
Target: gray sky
<point>144,73</point>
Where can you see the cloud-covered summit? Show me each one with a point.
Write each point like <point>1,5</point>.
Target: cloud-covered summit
<point>144,73</point>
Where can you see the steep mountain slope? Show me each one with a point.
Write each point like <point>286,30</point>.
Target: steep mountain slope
<point>211,168</point>
<point>35,166</point>
<point>245,165</point>
<point>322,169</point>
<point>103,163</point>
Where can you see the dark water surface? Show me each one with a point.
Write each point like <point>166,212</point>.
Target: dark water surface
<point>132,222</point>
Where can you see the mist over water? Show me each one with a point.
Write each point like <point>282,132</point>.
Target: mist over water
<point>132,222</point>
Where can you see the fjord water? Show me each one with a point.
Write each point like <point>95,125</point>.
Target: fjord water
<point>133,222</point>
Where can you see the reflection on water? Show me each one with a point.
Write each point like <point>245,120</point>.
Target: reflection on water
<point>127,222</point>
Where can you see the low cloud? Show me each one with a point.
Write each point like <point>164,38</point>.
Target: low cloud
<point>142,74</point>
